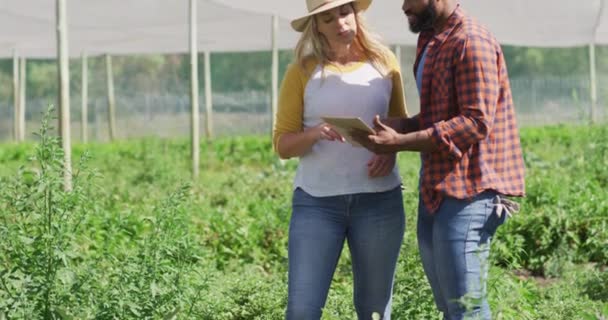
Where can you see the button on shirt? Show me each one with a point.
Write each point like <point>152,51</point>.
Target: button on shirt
<point>467,108</point>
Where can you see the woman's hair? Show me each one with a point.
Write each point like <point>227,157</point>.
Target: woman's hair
<point>313,44</point>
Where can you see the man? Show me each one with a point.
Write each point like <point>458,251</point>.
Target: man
<point>470,150</point>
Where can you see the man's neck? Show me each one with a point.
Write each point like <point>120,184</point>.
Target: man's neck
<point>443,14</point>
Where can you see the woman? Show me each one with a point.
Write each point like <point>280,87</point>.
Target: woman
<point>341,192</point>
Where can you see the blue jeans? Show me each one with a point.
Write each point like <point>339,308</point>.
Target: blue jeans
<point>454,245</point>
<point>372,223</point>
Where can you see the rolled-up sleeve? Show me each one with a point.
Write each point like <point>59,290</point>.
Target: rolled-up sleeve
<point>477,90</point>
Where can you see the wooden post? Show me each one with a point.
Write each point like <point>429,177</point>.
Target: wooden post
<point>15,97</point>
<point>398,55</point>
<point>208,97</point>
<point>22,98</point>
<point>64,92</point>
<point>593,83</point>
<point>274,71</point>
<point>96,110</point>
<point>84,112</point>
<point>111,101</point>
<point>195,114</point>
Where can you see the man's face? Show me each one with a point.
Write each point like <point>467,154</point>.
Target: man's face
<point>421,14</point>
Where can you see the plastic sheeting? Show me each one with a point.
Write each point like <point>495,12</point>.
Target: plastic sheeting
<point>543,23</point>
<point>27,27</point>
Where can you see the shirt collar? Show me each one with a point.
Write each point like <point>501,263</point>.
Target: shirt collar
<point>453,20</point>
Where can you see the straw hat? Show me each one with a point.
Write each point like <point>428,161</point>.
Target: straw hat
<point>317,6</point>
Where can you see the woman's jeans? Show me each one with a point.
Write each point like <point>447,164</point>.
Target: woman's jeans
<point>454,244</point>
<point>372,223</point>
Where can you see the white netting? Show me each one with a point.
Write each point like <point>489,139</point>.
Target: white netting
<point>160,26</point>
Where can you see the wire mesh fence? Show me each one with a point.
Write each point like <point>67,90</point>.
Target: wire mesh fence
<point>152,99</point>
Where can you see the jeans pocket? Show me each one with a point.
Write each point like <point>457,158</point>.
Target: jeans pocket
<point>300,198</point>
<point>493,221</point>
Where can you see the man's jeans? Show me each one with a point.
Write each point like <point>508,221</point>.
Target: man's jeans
<point>372,223</point>
<point>454,245</point>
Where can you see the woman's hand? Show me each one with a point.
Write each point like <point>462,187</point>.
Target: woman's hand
<point>297,144</point>
<point>326,132</point>
<point>381,165</point>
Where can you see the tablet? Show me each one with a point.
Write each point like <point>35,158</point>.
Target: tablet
<point>344,125</point>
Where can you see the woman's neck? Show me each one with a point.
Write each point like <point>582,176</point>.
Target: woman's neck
<point>345,54</point>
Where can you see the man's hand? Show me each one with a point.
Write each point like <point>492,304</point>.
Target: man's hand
<point>386,139</point>
<point>397,123</point>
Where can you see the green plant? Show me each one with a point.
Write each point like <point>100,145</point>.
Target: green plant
<point>38,224</point>
<point>217,249</point>
<point>596,286</point>
<point>160,278</point>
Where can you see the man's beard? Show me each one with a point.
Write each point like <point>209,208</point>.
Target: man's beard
<point>424,20</point>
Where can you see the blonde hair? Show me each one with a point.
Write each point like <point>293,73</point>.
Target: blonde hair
<point>313,45</point>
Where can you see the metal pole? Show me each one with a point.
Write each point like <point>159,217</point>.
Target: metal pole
<point>84,117</point>
<point>111,101</point>
<point>15,97</point>
<point>22,98</point>
<point>593,84</point>
<point>195,116</point>
<point>64,92</point>
<point>208,97</point>
<point>274,70</point>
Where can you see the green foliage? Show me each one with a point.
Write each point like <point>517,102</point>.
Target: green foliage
<point>151,282</point>
<point>40,222</point>
<point>138,243</point>
<point>526,298</point>
<point>253,71</point>
<point>539,62</point>
<point>564,217</point>
<point>243,151</point>
<point>51,263</point>
<point>245,295</point>
<point>595,286</point>
<point>412,297</point>
<point>249,71</point>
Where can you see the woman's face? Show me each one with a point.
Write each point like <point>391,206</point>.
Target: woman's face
<point>338,25</point>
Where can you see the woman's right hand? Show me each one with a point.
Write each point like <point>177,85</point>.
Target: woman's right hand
<point>325,132</point>
<point>296,144</point>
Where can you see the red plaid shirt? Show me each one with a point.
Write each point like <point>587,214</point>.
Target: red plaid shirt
<point>467,108</point>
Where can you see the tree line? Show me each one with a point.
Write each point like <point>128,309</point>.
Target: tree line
<point>251,71</point>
